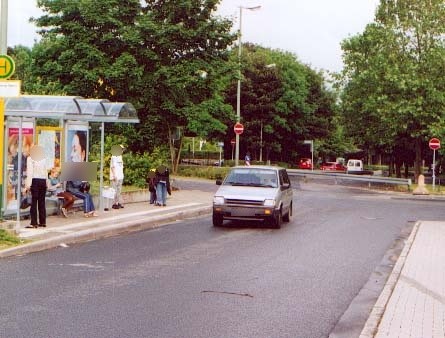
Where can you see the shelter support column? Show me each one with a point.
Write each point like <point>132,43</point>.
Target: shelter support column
<point>19,175</point>
<point>2,138</point>
<point>101,179</point>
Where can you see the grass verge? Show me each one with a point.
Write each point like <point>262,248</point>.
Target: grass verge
<point>8,239</point>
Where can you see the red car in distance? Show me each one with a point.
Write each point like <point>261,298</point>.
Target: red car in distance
<point>305,163</point>
<point>333,166</point>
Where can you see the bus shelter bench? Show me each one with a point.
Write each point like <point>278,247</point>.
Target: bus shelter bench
<point>77,205</point>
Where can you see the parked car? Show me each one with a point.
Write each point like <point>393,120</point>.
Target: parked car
<point>333,166</point>
<point>305,163</point>
<point>218,163</point>
<point>262,193</point>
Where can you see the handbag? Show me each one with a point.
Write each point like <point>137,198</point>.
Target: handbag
<point>26,201</point>
<point>108,192</point>
<point>84,187</point>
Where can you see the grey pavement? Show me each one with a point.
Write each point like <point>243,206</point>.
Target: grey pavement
<point>133,217</point>
<point>412,303</point>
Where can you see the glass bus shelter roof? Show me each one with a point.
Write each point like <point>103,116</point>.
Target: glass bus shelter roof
<point>70,108</point>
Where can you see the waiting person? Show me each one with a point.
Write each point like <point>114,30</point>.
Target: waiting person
<point>56,189</point>
<point>151,181</point>
<point>117,175</point>
<point>80,189</point>
<point>162,185</point>
<point>247,159</point>
<point>36,176</point>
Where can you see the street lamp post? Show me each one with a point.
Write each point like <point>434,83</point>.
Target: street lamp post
<point>3,27</point>
<point>269,66</point>
<point>238,89</point>
<point>261,143</point>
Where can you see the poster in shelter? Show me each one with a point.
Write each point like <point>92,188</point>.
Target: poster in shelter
<point>50,140</point>
<point>77,143</point>
<point>12,166</point>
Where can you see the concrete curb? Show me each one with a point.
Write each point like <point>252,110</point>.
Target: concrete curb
<point>428,198</point>
<point>373,322</point>
<point>105,231</point>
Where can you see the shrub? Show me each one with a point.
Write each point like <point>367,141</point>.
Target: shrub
<point>210,173</point>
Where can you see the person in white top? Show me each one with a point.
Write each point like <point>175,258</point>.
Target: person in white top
<point>36,181</point>
<point>117,174</point>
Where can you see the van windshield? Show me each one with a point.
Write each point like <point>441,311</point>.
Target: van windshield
<point>252,177</point>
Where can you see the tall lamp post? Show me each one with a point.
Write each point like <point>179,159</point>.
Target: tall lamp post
<point>269,66</point>
<point>238,91</point>
<point>3,26</point>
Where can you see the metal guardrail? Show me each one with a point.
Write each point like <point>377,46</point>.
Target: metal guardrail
<point>351,177</point>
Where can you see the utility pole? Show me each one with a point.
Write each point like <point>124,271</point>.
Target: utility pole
<point>238,88</point>
<point>3,27</point>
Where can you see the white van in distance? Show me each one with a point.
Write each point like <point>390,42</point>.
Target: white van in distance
<point>354,167</point>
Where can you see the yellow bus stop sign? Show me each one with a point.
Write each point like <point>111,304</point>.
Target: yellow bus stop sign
<point>7,67</point>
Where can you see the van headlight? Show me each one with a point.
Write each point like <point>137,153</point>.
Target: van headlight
<point>218,200</point>
<point>269,203</point>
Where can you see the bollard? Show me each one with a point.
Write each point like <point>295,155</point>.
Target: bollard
<point>421,188</point>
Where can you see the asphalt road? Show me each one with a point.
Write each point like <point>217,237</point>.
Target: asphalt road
<point>189,279</point>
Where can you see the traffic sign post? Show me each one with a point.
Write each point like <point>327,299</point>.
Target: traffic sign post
<point>311,142</point>
<point>434,145</point>
<point>238,128</point>
<point>7,67</point>
<point>232,143</point>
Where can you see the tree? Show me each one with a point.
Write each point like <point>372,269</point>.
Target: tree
<point>166,57</point>
<point>284,99</point>
<point>393,75</point>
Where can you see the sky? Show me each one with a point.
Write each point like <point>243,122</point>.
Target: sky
<point>311,29</point>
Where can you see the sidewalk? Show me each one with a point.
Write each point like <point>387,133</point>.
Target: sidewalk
<point>412,303</point>
<point>134,217</point>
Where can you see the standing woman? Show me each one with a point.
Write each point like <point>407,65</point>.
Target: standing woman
<point>162,185</point>
<point>36,181</point>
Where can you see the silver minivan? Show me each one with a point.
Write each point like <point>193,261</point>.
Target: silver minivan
<point>261,193</point>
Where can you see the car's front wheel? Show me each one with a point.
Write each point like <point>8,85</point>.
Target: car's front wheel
<point>217,220</point>
<point>287,217</point>
<point>277,220</point>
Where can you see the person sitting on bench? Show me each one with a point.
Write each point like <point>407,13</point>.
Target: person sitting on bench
<point>55,189</point>
<point>81,189</point>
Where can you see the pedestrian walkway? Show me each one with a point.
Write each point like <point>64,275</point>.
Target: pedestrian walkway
<point>134,216</point>
<point>412,303</point>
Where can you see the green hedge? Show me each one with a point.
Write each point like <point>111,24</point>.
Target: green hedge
<point>210,173</point>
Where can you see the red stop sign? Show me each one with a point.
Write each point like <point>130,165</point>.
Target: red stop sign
<point>434,143</point>
<point>233,142</point>
<point>238,128</point>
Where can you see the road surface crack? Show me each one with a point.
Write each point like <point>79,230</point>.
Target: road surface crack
<point>228,293</point>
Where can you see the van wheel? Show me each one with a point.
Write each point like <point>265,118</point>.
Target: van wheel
<point>287,217</point>
<point>217,220</point>
<point>277,220</point>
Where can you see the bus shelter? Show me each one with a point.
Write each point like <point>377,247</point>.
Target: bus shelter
<point>67,140</point>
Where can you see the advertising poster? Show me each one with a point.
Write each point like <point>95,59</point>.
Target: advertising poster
<point>12,168</point>
<point>77,143</point>
<point>50,139</point>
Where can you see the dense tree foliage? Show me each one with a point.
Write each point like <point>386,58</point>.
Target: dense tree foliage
<point>285,99</point>
<point>175,61</point>
<point>166,57</point>
<point>394,90</point>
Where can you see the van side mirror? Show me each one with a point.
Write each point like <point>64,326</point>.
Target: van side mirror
<point>218,181</point>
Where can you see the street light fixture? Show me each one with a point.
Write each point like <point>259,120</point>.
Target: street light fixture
<point>238,91</point>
